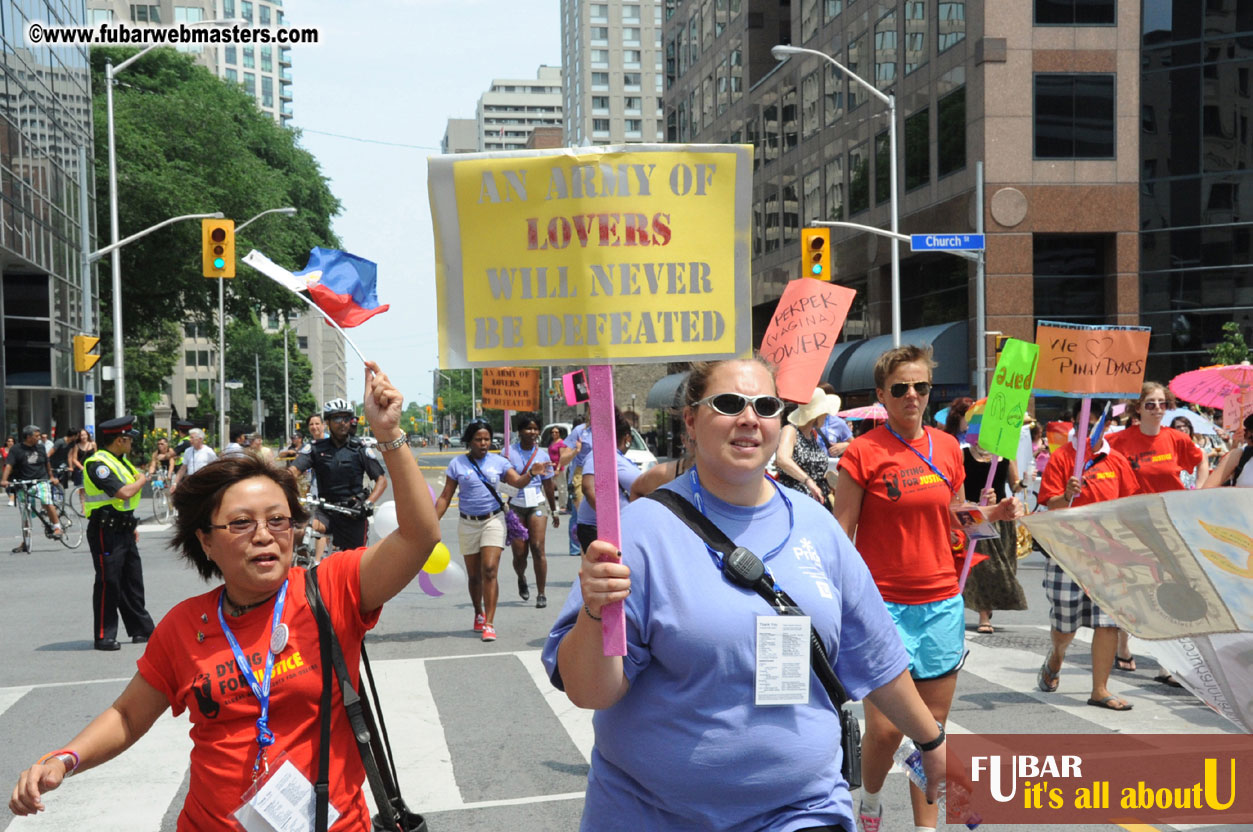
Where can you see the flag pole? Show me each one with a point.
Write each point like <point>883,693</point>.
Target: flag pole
<point>330,321</point>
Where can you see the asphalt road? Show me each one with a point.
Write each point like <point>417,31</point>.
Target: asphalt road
<point>483,741</point>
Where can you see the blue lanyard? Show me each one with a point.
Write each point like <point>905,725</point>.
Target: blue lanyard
<point>699,499</point>
<point>918,453</point>
<point>261,690</point>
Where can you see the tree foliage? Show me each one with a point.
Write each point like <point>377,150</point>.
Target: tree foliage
<point>188,142</point>
<point>246,345</point>
<point>1232,349</point>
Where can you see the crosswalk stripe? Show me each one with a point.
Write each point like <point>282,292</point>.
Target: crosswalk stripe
<point>577,721</point>
<point>9,697</point>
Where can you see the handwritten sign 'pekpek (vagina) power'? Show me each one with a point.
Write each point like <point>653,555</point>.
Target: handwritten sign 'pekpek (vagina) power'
<point>628,254</point>
<point>1090,361</point>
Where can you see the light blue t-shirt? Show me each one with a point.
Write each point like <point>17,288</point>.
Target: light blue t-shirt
<point>835,429</point>
<point>685,748</point>
<point>581,433</point>
<point>628,472</point>
<point>533,494</point>
<point>475,498</point>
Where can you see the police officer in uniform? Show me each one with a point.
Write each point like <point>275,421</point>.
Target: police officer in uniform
<point>340,461</point>
<point>113,486</point>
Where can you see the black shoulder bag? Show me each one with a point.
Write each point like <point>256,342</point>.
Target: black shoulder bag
<point>372,741</point>
<point>745,569</point>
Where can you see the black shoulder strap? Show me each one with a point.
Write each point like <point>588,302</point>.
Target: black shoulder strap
<point>705,529</point>
<point>1245,456</point>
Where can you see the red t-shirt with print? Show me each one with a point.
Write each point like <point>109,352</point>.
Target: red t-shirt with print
<point>1109,478</point>
<point>200,677</point>
<point>903,528</point>
<point>1157,460</point>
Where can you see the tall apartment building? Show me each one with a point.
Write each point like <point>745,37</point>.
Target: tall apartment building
<point>264,71</point>
<point>511,108</point>
<point>612,56</point>
<point>460,136</point>
<point>1045,94</point>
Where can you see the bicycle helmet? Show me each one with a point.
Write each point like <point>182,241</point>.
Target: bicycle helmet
<point>336,406</point>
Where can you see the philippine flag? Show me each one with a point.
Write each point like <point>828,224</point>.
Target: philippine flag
<point>342,285</point>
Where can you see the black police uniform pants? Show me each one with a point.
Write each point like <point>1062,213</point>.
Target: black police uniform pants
<point>348,532</point>
<point>119,583</point>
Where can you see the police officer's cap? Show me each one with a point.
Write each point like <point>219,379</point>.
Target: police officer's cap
<point>123,426</point>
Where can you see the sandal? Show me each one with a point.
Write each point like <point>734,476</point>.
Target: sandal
<point>1046,680</point>
<point>1126,664</point>
<point>986,629</point>
<point>1167,679</point>
<point>1108,702</point>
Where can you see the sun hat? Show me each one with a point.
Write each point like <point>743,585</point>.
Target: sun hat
<point>819,404</point>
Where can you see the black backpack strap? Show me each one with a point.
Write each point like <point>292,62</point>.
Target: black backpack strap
<point>321,789</point>
<point>1245,456</point>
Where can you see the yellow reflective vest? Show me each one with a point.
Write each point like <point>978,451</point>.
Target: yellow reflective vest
<point>122,469</point>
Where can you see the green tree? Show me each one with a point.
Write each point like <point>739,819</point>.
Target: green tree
<point>189,142</point>
<point>247,344</point>
<point>1232,349</point>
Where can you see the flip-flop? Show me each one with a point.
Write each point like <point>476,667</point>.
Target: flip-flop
<point>1126,664</point>
<point>1046,680</point>
<point>986,629</point>
<point>1107,702</point>
<point>1167,679</point>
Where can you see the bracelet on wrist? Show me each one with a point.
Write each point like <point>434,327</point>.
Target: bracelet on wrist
<point>590,615</point>
<point>398,442</point>
<point>68,758</point>
<point>933,744</point>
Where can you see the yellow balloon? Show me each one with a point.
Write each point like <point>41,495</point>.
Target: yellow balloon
<point>438,561</point>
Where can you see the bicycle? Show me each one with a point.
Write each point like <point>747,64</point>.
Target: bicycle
<point>305,551</point>
<point>161,509</point>
<point>33,501</point>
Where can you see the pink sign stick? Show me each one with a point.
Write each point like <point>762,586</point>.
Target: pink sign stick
<point>970,545</point>
<point>605,462</point>
<point>504,442</point>
<point>1081,437</point>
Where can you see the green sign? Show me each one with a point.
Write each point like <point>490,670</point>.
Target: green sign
<point>1008,397</point>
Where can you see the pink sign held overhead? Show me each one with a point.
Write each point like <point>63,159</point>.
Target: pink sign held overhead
<point>802,332</point>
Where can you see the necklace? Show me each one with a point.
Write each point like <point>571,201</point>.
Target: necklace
<point>239,609</point>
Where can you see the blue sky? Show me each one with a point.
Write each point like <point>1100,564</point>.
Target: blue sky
<point>395,71</point>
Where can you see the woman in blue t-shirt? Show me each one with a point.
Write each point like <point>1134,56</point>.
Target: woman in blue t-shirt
<point>529,504</point>
<point>680,740</point>
<point>627,474</point>
<point>481,531</point>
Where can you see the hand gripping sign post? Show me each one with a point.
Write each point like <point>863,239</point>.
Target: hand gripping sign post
<point>1078,361</point>
<point>593,256</point>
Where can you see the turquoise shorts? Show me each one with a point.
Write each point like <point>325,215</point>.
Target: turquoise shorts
<point>934,635</point>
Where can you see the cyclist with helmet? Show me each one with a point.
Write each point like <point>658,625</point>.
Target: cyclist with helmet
<point>29,461</point>
<point>340,461</point>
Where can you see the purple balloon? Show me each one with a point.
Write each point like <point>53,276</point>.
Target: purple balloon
<point>431,489</point>
<point>424,581</point>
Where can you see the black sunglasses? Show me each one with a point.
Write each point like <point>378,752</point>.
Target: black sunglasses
<point>733,404</point>
<point>899,389</point>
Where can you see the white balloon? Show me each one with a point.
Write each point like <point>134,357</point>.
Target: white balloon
<point>385,521</point>
<point>451,579</point>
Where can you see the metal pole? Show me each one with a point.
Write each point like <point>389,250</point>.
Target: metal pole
<point>222,405</point>
<point>257,364</point>
<point>119,374</point>
<point>84,230</point>
<point>548,399</point>
<point>286,387</point>
<point>896,219</point>
<point>981,302</point>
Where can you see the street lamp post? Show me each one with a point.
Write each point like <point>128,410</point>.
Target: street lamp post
<point>782,52</point>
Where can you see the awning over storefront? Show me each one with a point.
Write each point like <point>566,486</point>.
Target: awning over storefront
<point>667,393</point>
<point>851,365</point>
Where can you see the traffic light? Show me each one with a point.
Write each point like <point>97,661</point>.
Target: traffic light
<point>217,248</point>
<point>295,407</point>
<point>428,413</point>
<point>83,358</point>
<point>439,402</point>
<point>1000,343</point>
<point>816,253</point>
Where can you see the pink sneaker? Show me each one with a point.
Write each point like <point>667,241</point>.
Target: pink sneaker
<point>870,823</point>
<point>489,632</point>
<point>479,621</point>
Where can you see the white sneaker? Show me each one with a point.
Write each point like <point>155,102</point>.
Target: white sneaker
<point>870,823</point>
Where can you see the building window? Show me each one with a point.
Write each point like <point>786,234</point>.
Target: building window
<point>707,29</point>
<point>833,101</point>
<point>915,34</point>
<point>724,85</point>
<point>830,9</point>
<point>720,17</point>
<point>145,14</point>
<point>857,65</point>
<point>267,91</point>
<point>95,17</point>
<point>770,131</point>
<point>633,104</point>
<point>1074,116</point>
<point>600,57</point>
<point>633,125</point>
<point>600,102</point>
<point>631,58</point>
<point>600,125</point>
<point>631,81</point>
<point>231,75</point>
<point>245,10</point>
<point>772,219</point>
<point>264,11</point>
<point>835,189</point>
<point>858,180</point>
<point>882,168</point>
<point>232,55</point>
<point>809,19</point>
<point>600,13</point>
<point>952,25</point>
<point>600,80</point>
<point>707,91</point>
<point>250,84</point>
<point>1070,275</point>
<point>737,72</point>
<point>630,14</point>
<point>302,342</point>
<point>885,51</point>
<point>791,128</point>
<point>791,208</point>
<point>191,358</point>
<point>918,150</point>
<point>811,118</point>
<point>951,132</point>
<point>250,58</point>
<point>811,195</point>
<point>188,14</point>
<point>267,59</point>
<point>600,35</point>
<point>1074,12</point>
<point>672,126</point>
<point>631,36</point>
<point>693,38</point>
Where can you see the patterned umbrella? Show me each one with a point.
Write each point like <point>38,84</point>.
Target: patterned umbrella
<point>874,411</point>
<point>1210,386</point>
<point>1199,423</point>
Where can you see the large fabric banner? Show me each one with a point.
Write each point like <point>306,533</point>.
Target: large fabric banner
<point>637,253</point>
<point>1175,566</point>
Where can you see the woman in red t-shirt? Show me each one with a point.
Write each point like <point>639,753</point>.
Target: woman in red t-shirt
<point>893,497</point>
<point>1107,476</point>
<point>1159,456</point>
<point>235,522</point>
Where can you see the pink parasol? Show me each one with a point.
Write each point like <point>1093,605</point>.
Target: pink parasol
<point>1210,386</point>
<point>874,411</point>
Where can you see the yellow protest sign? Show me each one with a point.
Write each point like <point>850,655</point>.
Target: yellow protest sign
<point>637,253</point>
<point>511,388</point>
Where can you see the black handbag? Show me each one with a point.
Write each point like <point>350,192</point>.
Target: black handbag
<point>372,741</point>
<point>745,569</point>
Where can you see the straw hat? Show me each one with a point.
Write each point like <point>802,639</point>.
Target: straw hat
<point>820,404</point>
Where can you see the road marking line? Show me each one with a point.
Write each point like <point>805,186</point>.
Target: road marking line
<point>516,801</point>
<point>577,721</point>
<point>67,684</point>
<point>10,696</point>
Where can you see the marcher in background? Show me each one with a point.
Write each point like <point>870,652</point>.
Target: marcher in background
<point>196,457</point>
<point>679,743</point>
<point>289,451</point>
<point>802,456</point>
<point>29,461</point>
<point>235,522</point>
<point>1107,475</point>
<point>529,504</point>
<point>238,445</point>
<point>256,445</point>
<point>163,459</point>
<point>626,474</point>
<point>556,444</point>
<point>1233,469</point>
<point>896,487</point>
<point>481,531</point>
<point>113,486</point>
<point>835,431</point>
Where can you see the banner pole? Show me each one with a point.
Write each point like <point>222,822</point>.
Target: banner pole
<point>605,462</point>
<point>970,544</point>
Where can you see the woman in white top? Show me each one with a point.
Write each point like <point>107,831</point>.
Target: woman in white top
<point>1234,470</point>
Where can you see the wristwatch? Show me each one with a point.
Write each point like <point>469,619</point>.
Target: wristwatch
<point>398,442</point>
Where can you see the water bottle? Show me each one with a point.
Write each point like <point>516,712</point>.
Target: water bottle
<point>910,759</point>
